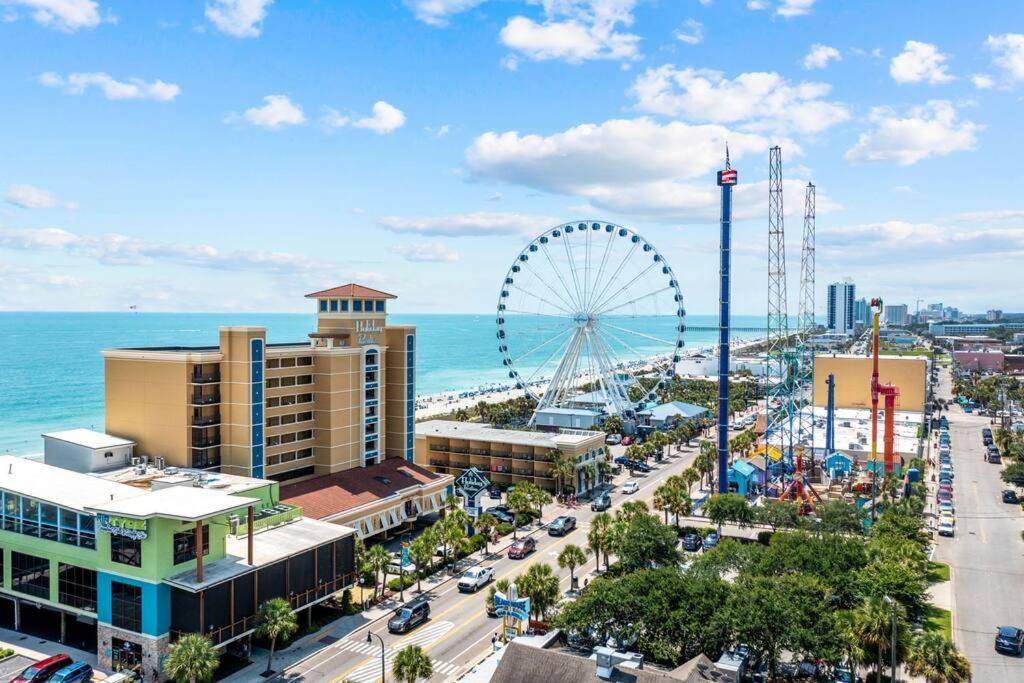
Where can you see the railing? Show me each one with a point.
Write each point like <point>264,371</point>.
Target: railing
<point>439,463</point>
<point>528,473</point>
<point>205,400</point>
<point>459,464</point>
<point>224,633</point>
<point>460,449</point>
<point>439,448</point>
<point>325,588</point>
<point>501,454</point>
<point>267,521</point>
<point>523,456</point>
<point>206,420</point>
<point>205,379</point>
<point>209,443</point>
<point>479,451</point>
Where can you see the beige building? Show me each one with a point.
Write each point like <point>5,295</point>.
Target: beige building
<point>853,380</point>
<point>508,456</point>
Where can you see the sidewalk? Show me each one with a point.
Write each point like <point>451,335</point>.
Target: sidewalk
<point>38,648</point>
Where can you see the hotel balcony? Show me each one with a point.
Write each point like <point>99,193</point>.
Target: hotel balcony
<point>205,458</point>
<point>206,443</point>
<point>205,399</point>
<point>211,378</point>
<point>206,420</point>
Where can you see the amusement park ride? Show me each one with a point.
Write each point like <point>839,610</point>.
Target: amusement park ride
<point>891,393</point>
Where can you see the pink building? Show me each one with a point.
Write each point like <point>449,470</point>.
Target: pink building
<point>979,361</point>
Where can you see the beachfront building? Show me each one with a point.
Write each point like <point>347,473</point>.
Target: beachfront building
<point>340,404</point>
<point>667,415</point>
<point>124,562</point>
<point>509,456</point>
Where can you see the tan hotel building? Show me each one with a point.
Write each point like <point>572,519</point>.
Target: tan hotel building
<point>344,399</point>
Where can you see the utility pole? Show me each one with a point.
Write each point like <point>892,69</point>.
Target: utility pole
<point>726,179</point>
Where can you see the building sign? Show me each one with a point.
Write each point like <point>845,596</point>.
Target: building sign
<point>366,330</point>
<point>123,526</point>
<point>471,483</point>
<point>512,607</point>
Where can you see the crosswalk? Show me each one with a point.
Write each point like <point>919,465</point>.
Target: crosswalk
<point>370,671</point>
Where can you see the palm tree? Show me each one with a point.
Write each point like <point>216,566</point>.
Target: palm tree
<point>379,558</point>
<point>604,468</point>
<point>486,523</point>
<point>872,628</point>
<point>662,494</point>
<point>540,584</point>
<point>452,534</point>
<point>936,659</point>
<point>572,556</point>
<point>519,503</point>
<point>192,659</point>
<point>563,468</point>
<point>421,552</point>
<point>276,619</point>
<point>500,586</point>
<point>706,460</point>
<point>679,503</point>
<point>599,536</point>
<point>411,664</point>
<point>538,497</point>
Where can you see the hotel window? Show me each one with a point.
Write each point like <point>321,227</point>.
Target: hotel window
<point>334,305</point>
<point>126,606</point>
<point>273,363</point>
<point>287,381</point>
<point>301,453</point>
<point>368,305</point>
<point>323,305</point>
<point>30,517</point>
<point>30,575</point>
<point>304,417</point>
<point>126,551</point>
<point>305,398</point>
<point>273,383</point>
<point>287,419</point>
<point>287,362</point>
<point>357,305</point>
<point>304,379</point>
<point>48,518</point>
<point>185,545</point>
<point>379,306</point>
<point>303,435</point>
<point>273,421</point>
<point>12,513</point>
<point>76,587</point>
<point>304,360</point>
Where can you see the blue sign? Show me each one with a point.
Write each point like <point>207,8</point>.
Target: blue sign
<point>405,555</point>
<point>517,609</point>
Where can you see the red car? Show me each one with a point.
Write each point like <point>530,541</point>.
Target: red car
<point>522,548</point>
<point>43,670</point>
<point>627,441</point>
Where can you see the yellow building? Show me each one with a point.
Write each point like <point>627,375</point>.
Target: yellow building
<point>508,456</point>
<point>853,380</point>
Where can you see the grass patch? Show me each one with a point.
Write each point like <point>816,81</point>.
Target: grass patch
<point>938,572</point>
<point>938,620</point>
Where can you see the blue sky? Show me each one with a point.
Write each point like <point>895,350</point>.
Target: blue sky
<point>236,154</point>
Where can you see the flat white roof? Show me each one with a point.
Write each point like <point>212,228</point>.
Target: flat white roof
<point>186,503</point>
<point>450,429</point>
<point>89,438</point>
<point>59,486</point>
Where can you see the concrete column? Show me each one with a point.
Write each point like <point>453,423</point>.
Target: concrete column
<point>199,551</point>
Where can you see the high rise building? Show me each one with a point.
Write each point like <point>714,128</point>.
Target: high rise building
<point>950,313</point>
<point>994,314</point>
<point>861,313</point>
<point>896,315</point>
<point>841,307</point>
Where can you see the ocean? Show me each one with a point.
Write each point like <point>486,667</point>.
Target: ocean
<point>52,377</point>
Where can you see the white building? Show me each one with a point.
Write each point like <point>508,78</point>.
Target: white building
<point>83,450</point>
<point>841,307</point>
<point>896,315</point>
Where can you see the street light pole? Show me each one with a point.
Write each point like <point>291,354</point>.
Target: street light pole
<point>369,639</point>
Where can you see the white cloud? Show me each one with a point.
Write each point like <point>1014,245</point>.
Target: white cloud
<point>574,31</point>
<point>785,8</point>
<point>478,224</point>
<point>759,101</point>
<point>436,12</point>
<point>991,216</point>
<point>62,15</point>
<point>983,81</point>
<point>691,32</point>
<point>31,197</point>
<point>238,18</point>
<point>924,131</point>
<point>386,119</point>
<point>893,240</point>
<point>332,118</point>
<point>132,89</point>
<point>277,111</point>
<point>919,63</point>
<point>426,252</point>
<point>1009,51</point>
<point>820,55</point>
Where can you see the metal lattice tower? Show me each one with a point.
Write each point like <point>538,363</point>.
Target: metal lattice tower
<point>778,375</point>
<point>804,395</point>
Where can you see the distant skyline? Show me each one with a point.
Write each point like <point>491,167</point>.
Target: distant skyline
<point>233,155</point>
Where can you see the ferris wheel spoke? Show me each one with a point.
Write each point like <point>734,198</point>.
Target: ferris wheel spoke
<point>633,301</point>
<point>625,288</point>
<point>540,298</point>
<point>544,315</point>
<point>615,274</point>
<point>557,271</point>
<point>612,390</point>
<point>639,356</point>
<point>560,347</point>
<point>572,268</point>
<point>638,334</point>
<point>586,270</point>
<point>600,271</point>
<point>614,368</point>
<point>554,290</point>
<point>538,347</point>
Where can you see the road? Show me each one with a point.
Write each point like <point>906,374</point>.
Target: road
<point>458,633</point>
<point>987,554</point>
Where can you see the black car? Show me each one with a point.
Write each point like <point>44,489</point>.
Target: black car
<point>1010,496</point>
<point>560,526</point>
<point>501,513</point>
<point>986,432</point>
<point>692,542</point>
<point>409,616</point>
<point>601,502</point>
<point>1010,640</point>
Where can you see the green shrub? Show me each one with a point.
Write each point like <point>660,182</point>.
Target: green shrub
<point>476,542</point>
<point>396,583</point>
<point>504,529</point>
<point>6,652</point>
<point>764,537</point>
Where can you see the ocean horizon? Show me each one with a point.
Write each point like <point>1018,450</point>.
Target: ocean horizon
<point>53,379</point>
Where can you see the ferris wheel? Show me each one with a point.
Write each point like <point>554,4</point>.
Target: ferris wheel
<point>590,315</point>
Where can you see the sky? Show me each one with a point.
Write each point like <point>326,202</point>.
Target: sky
<point>234,155</point>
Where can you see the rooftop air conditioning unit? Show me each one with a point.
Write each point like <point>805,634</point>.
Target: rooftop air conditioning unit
<point>159,462</point>
<point>136,460</point>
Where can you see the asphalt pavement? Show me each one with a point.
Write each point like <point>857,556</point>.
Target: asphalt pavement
<point>986,556</point>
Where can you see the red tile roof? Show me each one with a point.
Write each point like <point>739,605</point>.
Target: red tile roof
<point>332,494</point>
<point>351,290</point>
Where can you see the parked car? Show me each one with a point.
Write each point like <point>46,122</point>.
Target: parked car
<point>560,526</point>
<point>995,458</point>
<point>522,548</point>
<point>942,496</point>
<point>641,466</point>
<point>601,502</point>
<point>1010,496</point>
<point>501,513</point>
<point>475,578</point>
<point>946,529</point>
<point>1010,640</point>
<point>711,540</point>
<point>79,672</point>
<point>627,441</point>
<point>396,567</point>
<point>43,669</point>
<point>692,542</point>
<point>613,439</point>
<point>947,518</point>
<point>409,616</point>
<point>947,507</point>
<point>630,487</point>
<point>621,460</point>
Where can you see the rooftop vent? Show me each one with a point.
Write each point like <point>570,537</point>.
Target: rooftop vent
<point>383,480</point>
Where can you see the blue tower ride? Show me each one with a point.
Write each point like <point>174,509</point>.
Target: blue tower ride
<point>726,179</point>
